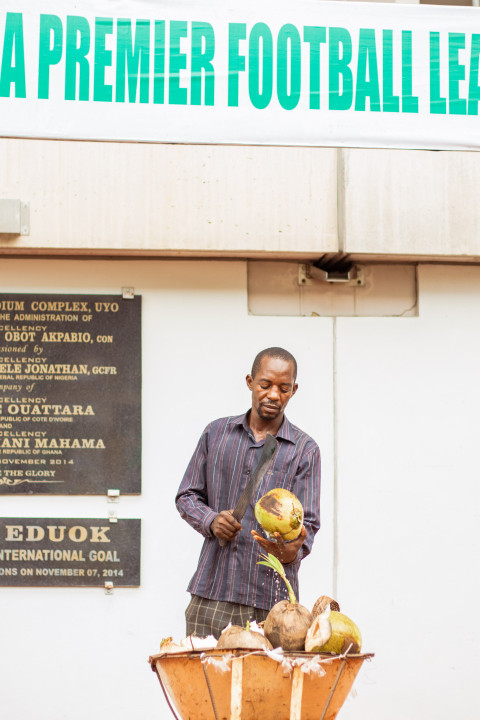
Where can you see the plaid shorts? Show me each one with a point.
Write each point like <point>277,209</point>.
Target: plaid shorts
<point>209,617</point>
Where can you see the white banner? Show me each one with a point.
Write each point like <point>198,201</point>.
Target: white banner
<point>262,72</point>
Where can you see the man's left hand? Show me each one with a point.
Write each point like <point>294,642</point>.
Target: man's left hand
<point>285,552</point>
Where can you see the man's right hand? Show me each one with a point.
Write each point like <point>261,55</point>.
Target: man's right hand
<point>225,526</point>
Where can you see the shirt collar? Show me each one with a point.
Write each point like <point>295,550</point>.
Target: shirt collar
<point>286,431</point>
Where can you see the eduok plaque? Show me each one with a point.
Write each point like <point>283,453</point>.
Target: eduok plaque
<point>66,552</point>
<point>70,394</point>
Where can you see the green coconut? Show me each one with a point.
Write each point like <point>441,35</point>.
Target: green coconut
<point>333,632</point>
<point>280,511</point>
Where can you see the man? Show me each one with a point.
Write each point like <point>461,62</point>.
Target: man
<point>229,585</point>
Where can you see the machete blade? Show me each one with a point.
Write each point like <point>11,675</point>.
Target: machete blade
<point>253,484</point>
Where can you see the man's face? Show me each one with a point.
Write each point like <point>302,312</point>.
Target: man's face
<point>272,387</point>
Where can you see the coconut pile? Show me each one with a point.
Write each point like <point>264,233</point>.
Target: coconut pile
<point>293,628</point>
<point>289,626</point>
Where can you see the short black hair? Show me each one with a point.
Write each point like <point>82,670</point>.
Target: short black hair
<point>274,352</point>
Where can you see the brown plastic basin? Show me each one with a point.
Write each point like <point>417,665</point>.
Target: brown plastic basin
<point>239,685</point>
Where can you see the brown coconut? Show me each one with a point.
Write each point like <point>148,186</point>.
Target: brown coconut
<point>323,603</point>
<point>235,637</point>
<point>287,624</point>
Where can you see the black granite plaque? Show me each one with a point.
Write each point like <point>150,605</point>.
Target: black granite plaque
<point>69,552</point>
<point>70,394</point>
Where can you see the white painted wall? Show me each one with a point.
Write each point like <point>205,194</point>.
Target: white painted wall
<point>409,500</point>
<point>78,652</point>
<point>406,413</point>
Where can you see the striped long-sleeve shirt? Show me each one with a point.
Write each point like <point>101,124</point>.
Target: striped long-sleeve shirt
<point>220,468</point>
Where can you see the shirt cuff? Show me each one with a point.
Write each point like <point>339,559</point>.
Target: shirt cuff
<point>295,560</point>
<point>210,516</point>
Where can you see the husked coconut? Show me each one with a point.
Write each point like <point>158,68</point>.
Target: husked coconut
<point>168,646</point>
<point>235,637</point>
<point>287,624</point>
<point>323,603</point>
